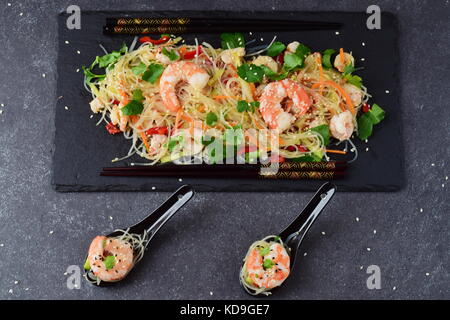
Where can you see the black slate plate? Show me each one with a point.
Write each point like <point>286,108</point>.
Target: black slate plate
<point>82,149</point>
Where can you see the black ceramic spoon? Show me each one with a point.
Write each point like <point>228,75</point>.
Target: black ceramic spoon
<point>294,234</point>
<point>153,222</point>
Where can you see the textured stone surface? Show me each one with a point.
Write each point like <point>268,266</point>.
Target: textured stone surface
<point>43,232</point>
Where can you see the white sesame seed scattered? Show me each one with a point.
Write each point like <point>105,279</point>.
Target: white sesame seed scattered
<point>91,116</point>
<point>78,51</point>
<point>363,44</point>
<point>262,39</point>
<point>361,267</point>
<point>387,91</point>
<point>65,273</point>
<point>26,289</point>
<point>1,111</point>
<point>443,185</point>
<point>211,293</point>
<point>153,188</point>
<point>51,231</point>
<point>43,75</point>
<point>352,150</point>
<point>432,164</point>
<point>305,254</point>
<point>16,282</point>
<point>394,288</point>
<point>357,219</point>
<point>180,179</point>
<point>446,177</point>
<point>2,104</point>
<point>66,107</point>
<point>11,291</point>
<point>250,33</point>
<point>366,141</point>
<point>21,14</point>
<point>374,231</point>
<point>427,274</point>
<point>421,210</point>
<point>66,42</point>
<point>78,70</point>
<point>2,245</point>
<point>9,4</point>
<point>363,59</point>
<point>368,249</point>
<point>367,149</point>
<point>336,33</point>
<point>323,232</point>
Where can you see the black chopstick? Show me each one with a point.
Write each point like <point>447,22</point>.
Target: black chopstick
<point>284,166</point>
<point>293,175</point>
<point>189,21</point>
<point>180,29</point>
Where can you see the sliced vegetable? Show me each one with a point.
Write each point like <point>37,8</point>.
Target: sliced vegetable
<point>250,72</point>
<point>112,129</point>
<point>268,263</point>
<point>231,40</point>
<point>87,265</point>
<point>163,39</point>
<point>275,49</point>
<point>110,262</point>
<point>188,55</point>
<point>326,58</point>
<point>157,130</point>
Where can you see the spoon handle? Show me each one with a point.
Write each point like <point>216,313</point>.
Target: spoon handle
<point>164,212</point>
<point>294,233</point>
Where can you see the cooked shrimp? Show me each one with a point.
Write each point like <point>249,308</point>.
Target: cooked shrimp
<point>101,248</point>
<point>341,125</point>
<point>354,92</point>
<point>266,61</point>
<point>348,60</point>
<point>292,47</point>
<point>190,72</point>
<point>272,97</point>
<point>157,142</point>
<point>270,270</point>
<point>233,56</point>
<point>96,105</point>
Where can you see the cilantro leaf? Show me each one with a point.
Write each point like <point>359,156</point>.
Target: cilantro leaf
<point>154,71</point>
<point>324,131</point>
<point>376,114</point>
<point>137,95</point>
<point>231,40</point>
<point>273,75</point>
<point>354,80</point>
<point>250,72</point>
<point>302,51</point>
<point>89,75</point>
<point>173,142</point>
<point>109,59</point>
<point>268,263</point>
<point>172,54</point>
<point>292,61</point>
<point>133,108</point>
<point>243,106</point>
<point>365,126</point>
<point>110,262</point>
<point>275,49</point>
<point>211,119</point>
<point>139,69</point>
<point>348,69</point>
<point>326,58</point>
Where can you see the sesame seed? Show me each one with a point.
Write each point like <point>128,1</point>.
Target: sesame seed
<point>180,179</point>
<point>361,267</point>
<point>336,33</point>
<point>26,289</point>
<point>374,231</point>
<point>21,14</point>
<point>211,293</point>
<point>305,254</point>
<point>323,232</point>
<point>443,185</point>
<point>91,116</point>
<point>1,111</point>
<point>2,245</point>
<point>368,249</point>
<point>78,51</point>
<point>78,70</point>
<point>366,141</point>
<point>11,291</point>
<point>66,42</point>
<point>357,219</point>
<point>16,282</point>
<point>110,218</point>
<point>262,39</point>
<point>66,107</point>
<point>43,75</point>
<point>250,33</point>
<point>363,44</point>
<point>421,210</point>
<point>2,104</point>
<point>432,164</point>
<point>51,231</point>
<point>363,59</point>
<point>153,188</point>
<point>9,4</point>
<point>427,274</point>
<point>446,177</point>
<point>367,149</point>
<point>394,288</point>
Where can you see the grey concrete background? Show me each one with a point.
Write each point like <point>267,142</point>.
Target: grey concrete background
<point>196,256</point>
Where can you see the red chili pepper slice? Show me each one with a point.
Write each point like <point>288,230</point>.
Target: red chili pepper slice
<point>161,40</point>
<point>299,148</point>
<point>112,129</point>
<point>365,108</point>
<point>157,130</point>
<point>116,102</point>
<point>280,58</point>
<point>191,54</point>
